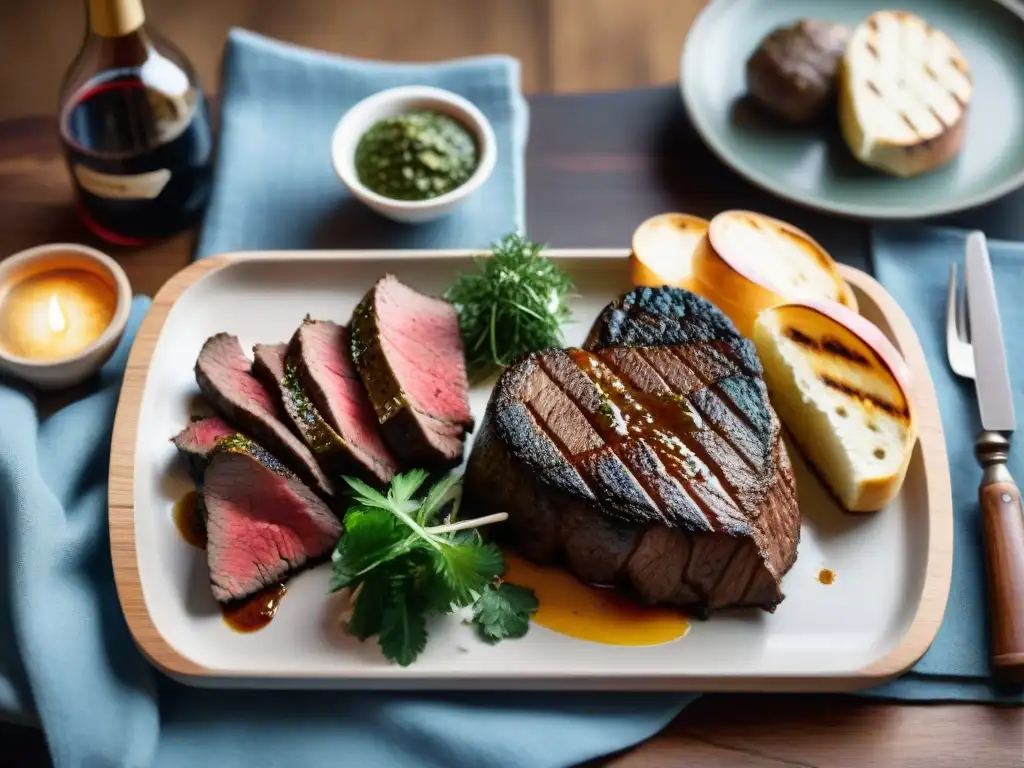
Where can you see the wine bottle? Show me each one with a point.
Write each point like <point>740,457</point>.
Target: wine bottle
<point>135,129</point>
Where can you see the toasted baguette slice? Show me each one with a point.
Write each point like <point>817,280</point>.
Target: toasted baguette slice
<point>748,262</point>
<point>663,247</point>
<point>840,389</point>
<point>904,94</point>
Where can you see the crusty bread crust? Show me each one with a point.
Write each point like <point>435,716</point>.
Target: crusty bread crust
<point>741,298</point>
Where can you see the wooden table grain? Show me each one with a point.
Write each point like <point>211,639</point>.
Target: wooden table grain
<point>596,166</point>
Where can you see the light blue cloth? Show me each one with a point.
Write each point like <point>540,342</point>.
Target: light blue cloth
<point>912,262</point>
<point>65,652</point>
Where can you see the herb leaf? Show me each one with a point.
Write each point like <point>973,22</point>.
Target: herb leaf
<point>368,610</point>
<point>404,486</point>
<point>439,494</point>
<point>366,495</point>
<point>403,627</point>
<point>370,539</point>
<point>402,566</point>
<point>468,568</point>
<point>514,304</point>
<point>504,612</point>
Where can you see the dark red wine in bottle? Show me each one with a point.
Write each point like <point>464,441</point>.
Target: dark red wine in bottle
<point>135,129</point>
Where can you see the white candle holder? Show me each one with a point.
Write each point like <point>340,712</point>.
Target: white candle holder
<point>58,373</point>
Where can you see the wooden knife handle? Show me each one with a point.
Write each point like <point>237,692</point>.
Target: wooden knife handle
<point>1002,520</point>
<point>1003,524</point>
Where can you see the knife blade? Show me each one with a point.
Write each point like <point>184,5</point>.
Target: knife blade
<point>992,376</point>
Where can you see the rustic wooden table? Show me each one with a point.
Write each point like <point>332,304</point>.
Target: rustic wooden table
<point>596,166</point>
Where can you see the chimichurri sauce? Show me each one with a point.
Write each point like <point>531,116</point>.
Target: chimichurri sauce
<point>416,155</point>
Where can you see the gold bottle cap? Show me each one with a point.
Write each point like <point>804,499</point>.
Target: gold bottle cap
<point>115,18</point>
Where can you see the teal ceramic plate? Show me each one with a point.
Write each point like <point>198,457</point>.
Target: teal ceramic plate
<point>813,166</point>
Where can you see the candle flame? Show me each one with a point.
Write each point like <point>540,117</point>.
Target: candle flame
<point>55,316</point>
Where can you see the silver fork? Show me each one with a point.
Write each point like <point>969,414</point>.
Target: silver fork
<point>958,335</point>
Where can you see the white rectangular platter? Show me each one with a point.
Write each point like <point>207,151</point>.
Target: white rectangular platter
<point>877,618</point>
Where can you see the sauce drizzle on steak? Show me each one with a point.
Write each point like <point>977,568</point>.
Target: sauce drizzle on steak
<point>659,466</point>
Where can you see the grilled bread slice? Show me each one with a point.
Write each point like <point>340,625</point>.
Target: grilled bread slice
<point>748,262</point>
<point>663,247</point>
<point>904,94</point>
<point>841,390</point>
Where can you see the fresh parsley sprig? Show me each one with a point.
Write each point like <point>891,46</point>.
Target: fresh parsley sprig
<point>403,565</point>
<point>514,303</point>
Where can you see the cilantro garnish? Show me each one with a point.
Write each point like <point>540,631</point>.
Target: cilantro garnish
<point>403,565</point>
<point>504,611</point>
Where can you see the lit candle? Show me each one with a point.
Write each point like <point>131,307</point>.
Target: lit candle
<point>56,314</point>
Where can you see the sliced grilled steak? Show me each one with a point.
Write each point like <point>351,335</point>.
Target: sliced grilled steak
<point>319,349</point>
<point>658,467</point>
<point>408,350</point>
<point>262,522</point>
<point>197,441</point>
<point>223,373</point>
<point>273,367</point>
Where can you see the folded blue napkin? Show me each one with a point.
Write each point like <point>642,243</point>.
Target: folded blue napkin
<point>912,262</point>
<point>65,652</point>
<point>275,185</point>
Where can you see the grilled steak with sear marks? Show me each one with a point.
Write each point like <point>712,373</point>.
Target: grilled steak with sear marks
<point>320,350</point>
<point>223,373</point>
<point>407,348</point>
<point>262,522</point>
<point>659,466</point>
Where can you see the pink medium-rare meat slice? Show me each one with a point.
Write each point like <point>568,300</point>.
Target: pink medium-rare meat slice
<point>408,350</point>
<point>201,435</point>
<point>224,375</point>
<point>262,523</point>
<point>279,372</point>
<point>197,441</point>
<point>319,349</point>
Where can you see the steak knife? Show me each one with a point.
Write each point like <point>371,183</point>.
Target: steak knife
<point>999,498</point>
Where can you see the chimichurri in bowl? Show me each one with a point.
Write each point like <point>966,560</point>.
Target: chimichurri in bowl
<point>413,153</point>
<point>416,155</point>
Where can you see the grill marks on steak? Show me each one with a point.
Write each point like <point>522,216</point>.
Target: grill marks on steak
<point>407,348</point>
<point>632,441</point>
<point>659,466</point>
<point>320,350</point>
<point>223,373</point>
<point>262,522</point>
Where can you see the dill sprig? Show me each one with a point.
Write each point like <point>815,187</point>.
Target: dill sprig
<point>514,304</point>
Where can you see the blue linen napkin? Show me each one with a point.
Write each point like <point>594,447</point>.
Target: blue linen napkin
<point>65,651</point>
<point>912,262</point>
<point>275,185</point>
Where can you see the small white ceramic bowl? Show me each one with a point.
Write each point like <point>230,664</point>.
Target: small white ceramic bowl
<point>73,369</point>
<point>396,101</point>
